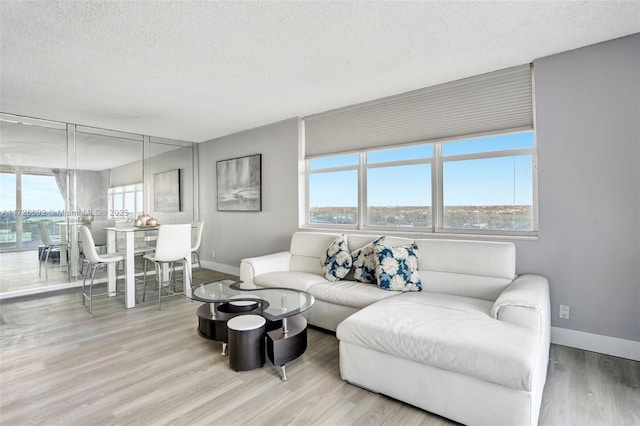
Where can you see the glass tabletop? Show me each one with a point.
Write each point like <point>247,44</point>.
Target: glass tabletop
<point>278,303</point>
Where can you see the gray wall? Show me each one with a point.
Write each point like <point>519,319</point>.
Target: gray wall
<point>587,106</point>
<point>588,134</point>
<point>236,235</point>
<point>182,159</point>
<point>92,191</point>
<point>126,174</point>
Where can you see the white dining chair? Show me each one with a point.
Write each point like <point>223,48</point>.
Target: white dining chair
<point>173,245</point>
<point>99,234</point>
<point>195,246</point>
<point>95,261</point>
<point>49,245</point>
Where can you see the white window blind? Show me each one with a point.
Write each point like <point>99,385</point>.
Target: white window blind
<point>492,102</point>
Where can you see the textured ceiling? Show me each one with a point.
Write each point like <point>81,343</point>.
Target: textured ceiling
<point>196,71</point>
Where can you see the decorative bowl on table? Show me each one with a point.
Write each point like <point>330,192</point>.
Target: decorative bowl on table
<point>145,221</point>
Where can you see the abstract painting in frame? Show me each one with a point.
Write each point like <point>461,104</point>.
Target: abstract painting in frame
<point>239,184</point>
<point>167,191</point>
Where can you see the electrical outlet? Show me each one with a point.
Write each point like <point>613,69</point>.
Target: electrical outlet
<point>213,254</point>
<point>564,311</point>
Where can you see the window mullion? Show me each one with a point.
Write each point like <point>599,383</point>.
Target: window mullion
<point>362,191</point>
<point>436,188</point>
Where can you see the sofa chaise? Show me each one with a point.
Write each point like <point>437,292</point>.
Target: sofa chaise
<point>472,345</point>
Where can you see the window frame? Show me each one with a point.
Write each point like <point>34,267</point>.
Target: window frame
<point>396,163</point>
<point>436,161</point>
<point>309,172</point>
<point>138,189</point>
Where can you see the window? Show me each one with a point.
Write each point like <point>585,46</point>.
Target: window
<point>488,183</point>
<point>26,198</point>
<point>333,190</point>
<point>481,185</point>
<point>126,201</point>
<point>399,187</point>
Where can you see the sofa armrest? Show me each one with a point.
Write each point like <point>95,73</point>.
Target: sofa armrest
<point>254,266</point>
<point>525,302</point>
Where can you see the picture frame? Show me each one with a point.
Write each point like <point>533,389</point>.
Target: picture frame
<point>239,183</point>
<point>167,191</point>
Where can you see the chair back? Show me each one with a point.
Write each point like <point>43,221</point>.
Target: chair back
<point>88,246</point>
<point>44,234</point>
<point>98,231</point>
<point>197,237</point>
<point>174,242</point>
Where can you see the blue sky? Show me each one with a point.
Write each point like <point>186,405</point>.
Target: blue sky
<point>492,181</point>
<point>39,192</point>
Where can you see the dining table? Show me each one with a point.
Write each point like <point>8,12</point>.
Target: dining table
<point>129,233</point>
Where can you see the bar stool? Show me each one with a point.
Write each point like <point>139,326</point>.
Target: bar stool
<point>95,260</point>
<point>246,342</point>
<point>173,245</point>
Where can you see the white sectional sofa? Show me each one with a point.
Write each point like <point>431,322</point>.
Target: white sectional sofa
<point>472,346</point>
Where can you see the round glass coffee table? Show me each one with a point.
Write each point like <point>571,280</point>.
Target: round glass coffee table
<point>281,307</point>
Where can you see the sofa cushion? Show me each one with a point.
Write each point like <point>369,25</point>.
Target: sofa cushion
<point>307,249</point>
<point>349,293</point>
<point>364,262</point>
<point>336,261</point>
<point>397,268</point>
<point>477,286</point>
<point>297,280</point>
<point>449,332</point>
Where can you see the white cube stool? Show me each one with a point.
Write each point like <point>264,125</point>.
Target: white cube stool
<point>246,342</point>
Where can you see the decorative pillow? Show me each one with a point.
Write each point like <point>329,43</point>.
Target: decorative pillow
<point>364,262</point>
<point>336,262</point>
<point>397,268</point>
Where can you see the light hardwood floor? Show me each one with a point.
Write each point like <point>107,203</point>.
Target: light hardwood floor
<point>20,272</point>
<point>60,365</point>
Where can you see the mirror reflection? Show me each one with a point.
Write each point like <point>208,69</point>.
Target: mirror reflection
<point>33,165</point>
<point>55,176</point>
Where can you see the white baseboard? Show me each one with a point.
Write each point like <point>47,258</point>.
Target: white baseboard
<point>39,290</point>
<point>623,348</point>
<point>221,267</point>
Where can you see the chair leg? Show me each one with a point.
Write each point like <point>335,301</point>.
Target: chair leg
<point>82,259</point>
<point>46,263</point>
<point>172,278</point>
<point>188,272</point>
<point>41,254</point>
<point>84,293</point>
<point>159,282</point>
<point>43,260</point>
<point>144,280</point>
<point>197,256</point>
<point>93,275</point>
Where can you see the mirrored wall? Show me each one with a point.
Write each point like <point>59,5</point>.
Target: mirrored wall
<point>55,176</point>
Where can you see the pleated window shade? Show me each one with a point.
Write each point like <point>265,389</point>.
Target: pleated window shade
<point>492,102</point>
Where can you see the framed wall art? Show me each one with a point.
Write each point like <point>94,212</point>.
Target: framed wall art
<point>167,191</point>
<point>239,184</point>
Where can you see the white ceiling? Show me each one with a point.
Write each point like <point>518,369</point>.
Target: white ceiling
<point>198,70</point>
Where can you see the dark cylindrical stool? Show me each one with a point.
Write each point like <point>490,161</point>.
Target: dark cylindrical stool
<point>246,342</point>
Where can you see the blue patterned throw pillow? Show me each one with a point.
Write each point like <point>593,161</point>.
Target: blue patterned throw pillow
<point>336,262</point>
<point>397,268</point>
<point>364,262</point>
